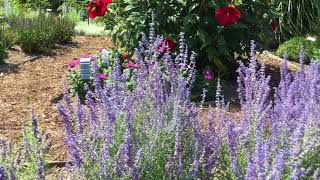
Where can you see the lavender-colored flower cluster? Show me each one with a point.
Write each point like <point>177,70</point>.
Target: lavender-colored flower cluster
<point>145,131</point>
<point>26,161</point>
<point>153,131</point>
<point>277,136</point>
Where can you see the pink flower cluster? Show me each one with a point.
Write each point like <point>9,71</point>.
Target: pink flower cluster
<point>73,63</point>
<point>207,74</point>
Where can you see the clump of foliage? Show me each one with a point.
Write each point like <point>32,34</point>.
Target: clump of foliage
<point>153,130</point>
<point>2,50</point>
<point>216,40</point>
<point>64,29</point>
<point>36,39</point>
<point>92,29</point>
<point>4,41</point>
<point>26,160</point>
<point>297,18</point>
<point>292,47</point>
<point>40,33</point>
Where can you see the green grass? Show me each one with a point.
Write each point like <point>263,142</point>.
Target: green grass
<point>93,29</point>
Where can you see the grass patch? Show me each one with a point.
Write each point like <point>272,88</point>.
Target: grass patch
<point>93,29</point>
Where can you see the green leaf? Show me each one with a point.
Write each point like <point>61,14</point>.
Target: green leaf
<point>191,8</point>
<point>211,53</point>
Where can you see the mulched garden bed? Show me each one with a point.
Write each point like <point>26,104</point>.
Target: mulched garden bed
<point>36,83</point>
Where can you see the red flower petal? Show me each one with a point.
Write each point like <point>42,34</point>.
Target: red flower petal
<point>98,8</point>
<point>170,43</point>
<point>227,15</point>
<point>273,25</point>
<point>125,56</point>
<point>91,11</point>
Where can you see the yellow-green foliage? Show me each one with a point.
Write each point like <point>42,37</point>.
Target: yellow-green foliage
<point>293,46</point>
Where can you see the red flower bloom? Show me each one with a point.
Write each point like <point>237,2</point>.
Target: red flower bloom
<point>170,43</point>
<point>125,56</point>
<point>97,8</point>
<point>166,45</point>
<point>227,15</point>
<point>273,25</point>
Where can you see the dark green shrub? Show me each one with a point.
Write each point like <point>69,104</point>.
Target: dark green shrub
<point>63,29</point>
<point>34,40</point>
<point>293,46</point>
<point>39,34</point>
<point>215,44</point>
<point>10,37</point>
<point>5,42</point>
<point>36,35</point>
<point>2,51</point>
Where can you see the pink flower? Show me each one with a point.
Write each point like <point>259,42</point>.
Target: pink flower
<point>73,63</point>
<point>102,77</point>
<point>207,74</point>
<point>131,65</point>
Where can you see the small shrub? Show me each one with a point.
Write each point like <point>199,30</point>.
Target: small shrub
<point>64,29</point>
<point>2,51</point>
<point>5,42</point>
<point>39,34</point>
<point>11,37</point>
<point>293,46</point>
<point>36,40</point>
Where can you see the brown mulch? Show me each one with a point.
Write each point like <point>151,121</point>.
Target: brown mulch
<point>36,83</point>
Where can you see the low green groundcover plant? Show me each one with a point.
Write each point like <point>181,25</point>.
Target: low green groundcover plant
<point>292,47</point>
<point>153,131</point>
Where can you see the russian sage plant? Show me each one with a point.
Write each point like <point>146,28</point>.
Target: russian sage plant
<point>153,131</point>
<point>145,131</point>
<point>26,160</point>
<point>276,138</point>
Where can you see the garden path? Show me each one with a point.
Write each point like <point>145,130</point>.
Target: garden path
<point>37,85</point>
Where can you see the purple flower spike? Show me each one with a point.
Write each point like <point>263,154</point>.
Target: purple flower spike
<point>3,174</point>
